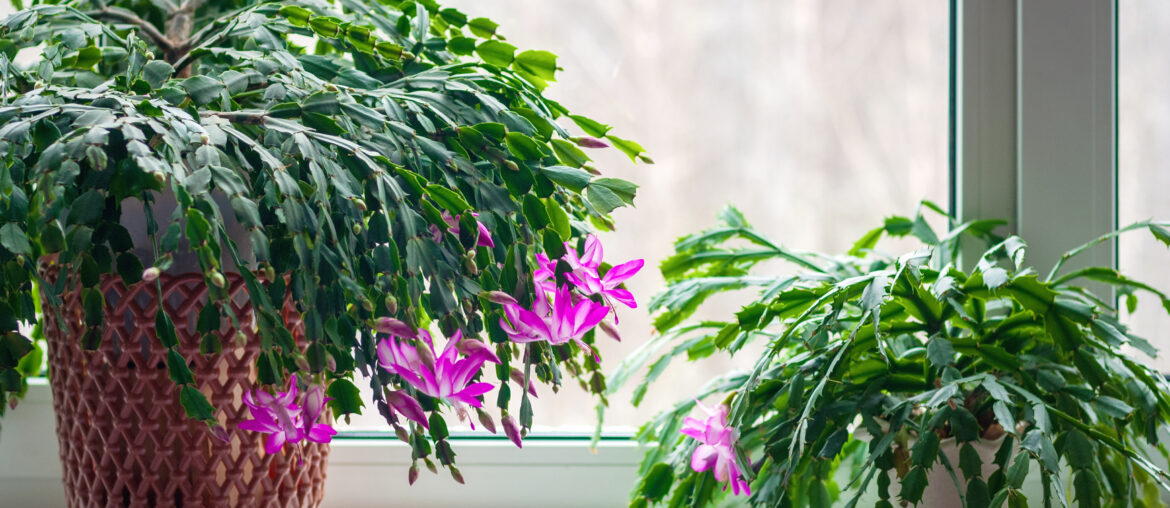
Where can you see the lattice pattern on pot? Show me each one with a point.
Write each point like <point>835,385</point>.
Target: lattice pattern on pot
<point>126,441</point>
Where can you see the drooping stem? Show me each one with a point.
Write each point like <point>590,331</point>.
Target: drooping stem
<point>142,25</point>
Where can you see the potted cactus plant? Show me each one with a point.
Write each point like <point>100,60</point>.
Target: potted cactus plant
<point>882,380</point>
<point>219,214</point>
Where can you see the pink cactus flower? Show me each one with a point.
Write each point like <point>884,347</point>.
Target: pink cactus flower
<point>485,236</point>
<point>446,377</point>
<point>562,321</point>
<point>716,451</point>
<point>284,419</point>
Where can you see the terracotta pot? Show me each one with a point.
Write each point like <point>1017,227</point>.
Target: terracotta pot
<point>126,441</point>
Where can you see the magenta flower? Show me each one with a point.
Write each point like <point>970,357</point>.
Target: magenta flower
<point>445,377</point>
<point>286,421</point>
<point>314,404</point>
<point>485,236</point>
<point>716,450</point>
<point>561,322</point>
<point>584,275</point>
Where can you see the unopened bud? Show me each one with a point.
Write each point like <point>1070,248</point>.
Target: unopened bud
<point>589,142</point>
<point>159,177</point>
<point>204,138</point>
<point>368,305</point>
<point>270,272</point>
<point>150,274</point>
<point>645,158</point>
<point>412,474</point>
<point>499,297</point>
<point>518,378</point>
<point>425,355</point>
<point>241,339</point>
<point>486,420</point>
<point>430,465</point>
<point>330,363</point>
<point>220,433</point>
<point>392,305</point>
<point>391,326</point>
<point>357,229</point>
<point>473,348</point>
<point>406,56</point>
<point>511,430</point>
<point>302,363</point>
<point>591,170</point>
<point>511,166</point>
<point>469,265</point>
<point>218,280</point>
<point>401,434</point>
<point>611,330</point>
<point>149,55</point>
<point>360,204</point>
<point>456,474</point>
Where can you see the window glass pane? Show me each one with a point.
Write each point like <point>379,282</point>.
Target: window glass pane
<point>816,118</point>
<point>1143,152</point>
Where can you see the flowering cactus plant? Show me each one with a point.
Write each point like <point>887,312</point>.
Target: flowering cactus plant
<point>875,374</point>
<point>392,168</point>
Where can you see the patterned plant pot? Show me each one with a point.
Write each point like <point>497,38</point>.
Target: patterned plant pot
<point>126,441</point>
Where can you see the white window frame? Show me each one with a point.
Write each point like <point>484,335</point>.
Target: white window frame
<point>1033,123</point>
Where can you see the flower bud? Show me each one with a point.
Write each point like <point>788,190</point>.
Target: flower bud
<point>486,420</point>
<point>368,305</point>
<point>589,142</point>
<point>357,229</point>
<point>241,339</point>
<point>217,279</point>
<point>402,434</point>
<point>412,474</point>
<point>499,297</point>
<point>159,177</point>
<point>220,433</point>
<point>391,326</point>
<point>473,347</point>
<point>511,430</point>
<point>150,274</point>
<point>314,403</point>
<point>204,138</point>
<point>511,166</point>
<point>430,465</point>
<point>426,355</point>
<point>591,170</point>
<point>456,474</point>
<point>360,204</point>
<point>302,363</point>
<point>391,305</point>
<point>407,56</point>
<point>330,363</point>
<point>149,55</point>
<point>610,330</point>
<point>518,378</point>
<point>645,158</point>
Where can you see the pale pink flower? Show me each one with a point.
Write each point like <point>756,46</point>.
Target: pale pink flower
<point>716,449</point>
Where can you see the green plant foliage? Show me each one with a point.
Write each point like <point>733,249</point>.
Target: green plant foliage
<point>341,135</point>
<point>869,362</point>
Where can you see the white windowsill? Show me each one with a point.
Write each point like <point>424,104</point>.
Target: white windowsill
<point>549,471</point>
